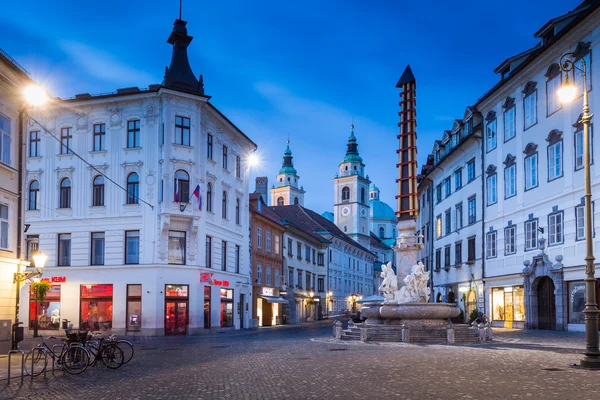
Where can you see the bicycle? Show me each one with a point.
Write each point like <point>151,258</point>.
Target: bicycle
<point>105,350</point>
<point>73,358</point>
<point>124,345</point>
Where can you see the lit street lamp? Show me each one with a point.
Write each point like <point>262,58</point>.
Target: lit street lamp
<point>567,93</point>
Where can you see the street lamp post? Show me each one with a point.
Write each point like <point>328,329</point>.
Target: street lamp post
<point>39,260</point>
<point>567,92</point>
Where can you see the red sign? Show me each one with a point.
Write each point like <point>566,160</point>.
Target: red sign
<point>209,278</point>
<point>55,279</point>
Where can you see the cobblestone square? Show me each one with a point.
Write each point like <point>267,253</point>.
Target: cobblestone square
<point>305,362</point>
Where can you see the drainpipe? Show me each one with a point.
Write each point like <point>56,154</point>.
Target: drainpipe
<point>20,177</point>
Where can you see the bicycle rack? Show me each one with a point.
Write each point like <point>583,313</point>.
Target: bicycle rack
<point>10,353</point>
<point>39,350</point>
<point>54,346</point>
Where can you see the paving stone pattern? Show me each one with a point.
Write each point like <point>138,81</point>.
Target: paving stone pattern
<point>305,362</point>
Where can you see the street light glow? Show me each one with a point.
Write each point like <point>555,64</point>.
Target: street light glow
<point>567,92</point>
<point>40,260</point>
<point>35,95</point>
<point>253,160</point>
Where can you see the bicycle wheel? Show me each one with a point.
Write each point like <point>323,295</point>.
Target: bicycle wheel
<point>93,348</point>
<point>112,356</point>
<point>127,348</point>
<point>39,362</point>
<point>75,360</point>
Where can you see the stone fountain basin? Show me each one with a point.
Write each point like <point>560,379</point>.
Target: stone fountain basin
<point>409,313</point>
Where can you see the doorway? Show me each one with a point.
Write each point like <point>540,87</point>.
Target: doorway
<point>241,311</point>
<point>176,317</point>
<point>546,304</point>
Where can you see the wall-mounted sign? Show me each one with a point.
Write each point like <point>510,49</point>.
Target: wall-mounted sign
<point>267,291</point>
<point>55,279</point>
<point>209,278</point>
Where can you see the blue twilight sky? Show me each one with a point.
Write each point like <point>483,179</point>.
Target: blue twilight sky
<point>279,68</point>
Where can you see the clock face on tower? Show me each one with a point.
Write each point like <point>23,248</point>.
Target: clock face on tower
<point>345,211</point>
<point>363,212</point>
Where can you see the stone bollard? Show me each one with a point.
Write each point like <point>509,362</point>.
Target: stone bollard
<point>481,332</point>
<point>405,334</point>
<point>350,324</point>
<point>338,329</point>
<point>488,332</point>
<point>450,334</point>
<point>363,332</point>
<point>335,327</point>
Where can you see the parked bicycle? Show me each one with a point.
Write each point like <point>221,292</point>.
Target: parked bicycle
<point>73,358</point>
<point>124,345</point>
<point>106,350</point>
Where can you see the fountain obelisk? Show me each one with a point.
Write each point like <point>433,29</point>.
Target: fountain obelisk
<point>407,243</point>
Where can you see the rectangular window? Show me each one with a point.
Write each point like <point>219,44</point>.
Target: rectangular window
<point>459,216</point>
<point>34,144</point>
<point>268,281</point>
<point>438,226</point>
<point>291,277</point>
<point>277,280</point>
<point>64,249</point>
<point>553,102</point>
<point>510,186</point>
<point>307,253</point>
<point>209,146</point>
<point>66,141</point>
<point>238,167</point>
<point>314,256</point>
<point>268,237</point>
<point>438,193</point>
<point>458,253</point>
<point>176,247</point>
<point>46,313</point>
<point>226,308</point>
<point>472,210</point>
<point>33,244</point>
<point>470,170</point>
<point>531,175</point>
<point>3,226</point>
<point>321,259</point>
<point>555,228</point>
<point>97,248</point>
<point>299,250</point>
<point>448,221</point>
<point>471,249</point>
<point>289,248</point>
<point>580,222</point>
<point>438,259</point>
<point>259,238</point>
<point>555,161</point>
<point>4,139</point>
<point>99,137</point>
<point>531,231</point>
<point>579,147</point>
<point>133,134</point>
<point>530,107</point>
<point>491,192</point>
<point>321,284</point>
<point>300,279</point>
<point>458,179</point>
<point>134,308</point>
<point>132,247</point>
<point>208,258</point>
<point>307,277</point>
<point>223,255</point>
<point>508,304</point>
<point>224,157</point>
<point>182,131</point>
<point>277,244</point>
<point>96,305</point>
<point>448,187</point>
<point>509,124</point>
<point>490,245</point>
<point>510,235</point>
<point>259,273</point>
<point>491,134</point>
<point>446,256</point>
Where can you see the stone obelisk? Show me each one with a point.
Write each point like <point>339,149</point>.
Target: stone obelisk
<point>407,243</point>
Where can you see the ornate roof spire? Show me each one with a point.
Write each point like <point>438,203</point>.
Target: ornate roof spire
<point>179,74</point>
<point>288,165</point>
<point>352,148</point>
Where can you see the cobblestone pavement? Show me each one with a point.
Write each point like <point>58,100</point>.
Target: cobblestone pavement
<point>306,363</point>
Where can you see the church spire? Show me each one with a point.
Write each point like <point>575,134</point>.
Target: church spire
<point>179,74</point>
<point>352,148</point>
<point>288,165</point>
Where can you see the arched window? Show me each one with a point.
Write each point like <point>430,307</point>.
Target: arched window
<point>381,232</point>
<point>34,190</point>
<point>237,211</point>
<point>346,193</point>
<point>133,188</point>
<point>98,191</point>
<point>295,200</point>
<point>362,195</point>
<point>224,205</point>
<point>181,187</point>
<point>280,201</point>
<point>209,197</point>
<point>65,193</point>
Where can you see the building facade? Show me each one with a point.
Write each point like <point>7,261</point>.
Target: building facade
<point>150,234</point>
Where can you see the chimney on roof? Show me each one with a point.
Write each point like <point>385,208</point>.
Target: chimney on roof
<point>262,188</point>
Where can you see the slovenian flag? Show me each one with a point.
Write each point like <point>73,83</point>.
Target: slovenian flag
<point>198,195</point>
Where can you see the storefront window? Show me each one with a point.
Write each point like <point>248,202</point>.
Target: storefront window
<point>206,307</point>
<point>96,307</point>
<point>134,308</point>
<point>508,304</point>
<point>576,302</point>
<point>226,307</point>
<point>47,312</point>
<point>519,303</point>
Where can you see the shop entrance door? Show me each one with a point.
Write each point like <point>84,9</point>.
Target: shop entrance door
<point>546,304</point>
<point>176,317</point>
<point>241,309</point>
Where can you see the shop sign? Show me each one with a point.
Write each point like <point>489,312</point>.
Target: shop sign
<point>267,291</point>
<point>209,278</point>
<point>55,279</point>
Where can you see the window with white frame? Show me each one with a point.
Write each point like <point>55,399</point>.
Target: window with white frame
<point>438,226</point>
<point>97,256</point>
<point>510,178</point>
<point>530,104</point>
<point>553,83</point>
<point>471,170</point>
<point>4,139</point>
<point>472,210</point>
<point>448,221</point>
<point>268,237</point>
<point>259,274</point>
<point>34,144</point>
<point>491,131</point>
<point>490,245</point>
<point>458,179</point>
<point>579,145</point>
<point>448,187</point>
<point>491,189</point>
<point>510,234</point>
<point>176,247</point>
<point>509,119</point>
<point>3,226</point>
<point>259,238</point>
<point>531,175</point>
<point>458,216</point>
<point>555,164</point>
<point>555,228</point>
<point>531,232</point>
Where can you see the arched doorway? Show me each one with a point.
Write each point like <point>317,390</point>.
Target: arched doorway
<point>471,303</point>
<point>546,304</point>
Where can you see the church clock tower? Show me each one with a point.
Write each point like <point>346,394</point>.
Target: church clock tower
<point>351,195</point>
<point>286,191</point>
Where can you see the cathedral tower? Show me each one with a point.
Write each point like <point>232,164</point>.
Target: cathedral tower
<point>286,191</point>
